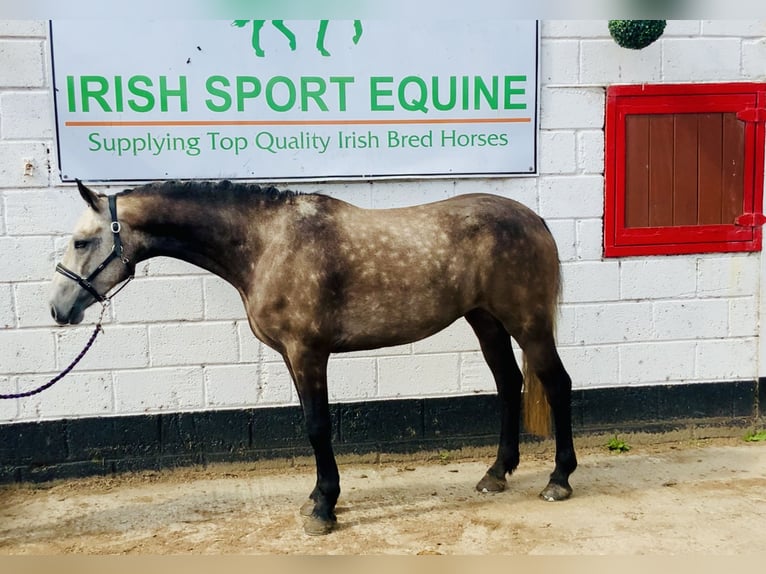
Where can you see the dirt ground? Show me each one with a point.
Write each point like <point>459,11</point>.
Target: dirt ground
<point>670,498</point>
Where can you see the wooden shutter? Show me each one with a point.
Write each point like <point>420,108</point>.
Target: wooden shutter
<point>684,165</point>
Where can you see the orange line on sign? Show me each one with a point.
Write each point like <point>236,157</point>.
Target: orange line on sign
<point>169,123</point>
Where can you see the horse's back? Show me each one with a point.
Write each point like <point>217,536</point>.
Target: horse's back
<point>458,212</point>
<point>472,225</point>
<point>413,270</point>
<point>465,234</point>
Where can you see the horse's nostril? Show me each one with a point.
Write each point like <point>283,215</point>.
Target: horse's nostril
<point>54,314</point>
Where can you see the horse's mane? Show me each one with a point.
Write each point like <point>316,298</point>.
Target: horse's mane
<point>215,191</point>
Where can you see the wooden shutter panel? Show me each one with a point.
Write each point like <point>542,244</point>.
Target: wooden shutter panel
<point>683,169</point>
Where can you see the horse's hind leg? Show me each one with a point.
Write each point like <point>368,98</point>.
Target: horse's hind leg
<point>496,347</point>
<point>309,372</point>
<point>543,358</point>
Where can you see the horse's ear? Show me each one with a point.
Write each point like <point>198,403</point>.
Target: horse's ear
<point>90,196</point>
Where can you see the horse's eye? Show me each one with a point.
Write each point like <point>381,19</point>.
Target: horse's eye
<point>80,244</point>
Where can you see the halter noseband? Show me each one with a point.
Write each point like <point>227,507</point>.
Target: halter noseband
<point>116,253</point>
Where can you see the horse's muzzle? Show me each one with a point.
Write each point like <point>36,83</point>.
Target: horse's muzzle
<point>73,317</point>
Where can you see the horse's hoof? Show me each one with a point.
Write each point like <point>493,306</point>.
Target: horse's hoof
<point>554,492</point>
<point>307,508</point>
<point>491,484</point>
<point>315,526</point>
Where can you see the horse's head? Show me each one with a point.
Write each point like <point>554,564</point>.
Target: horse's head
<point>94,261</point>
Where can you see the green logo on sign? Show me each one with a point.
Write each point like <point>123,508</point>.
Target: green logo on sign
<point>280,25</point>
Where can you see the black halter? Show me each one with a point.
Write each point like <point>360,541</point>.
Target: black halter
<point>116,253</point>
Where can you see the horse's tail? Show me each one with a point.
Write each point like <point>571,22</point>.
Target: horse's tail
<point>537,410</point>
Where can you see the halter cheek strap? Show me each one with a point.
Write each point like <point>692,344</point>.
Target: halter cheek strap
<point>116,253</point>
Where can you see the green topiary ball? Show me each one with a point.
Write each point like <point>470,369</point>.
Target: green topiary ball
<point>636,34</point>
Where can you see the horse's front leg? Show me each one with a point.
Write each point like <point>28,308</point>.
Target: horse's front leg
<point>309,371</point>
<point>496,346</point>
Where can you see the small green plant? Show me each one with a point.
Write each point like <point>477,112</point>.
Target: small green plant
<point>444,457</point>
<point>756,436</point>
<point>617,445</point>
<point>636,34</point>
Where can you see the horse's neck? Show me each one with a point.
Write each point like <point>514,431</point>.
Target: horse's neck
<point>214,237</point>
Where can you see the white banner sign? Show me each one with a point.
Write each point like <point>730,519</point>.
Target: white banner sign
<point>295,99</point>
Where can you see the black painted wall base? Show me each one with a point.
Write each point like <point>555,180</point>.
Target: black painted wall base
<point>82,447</point>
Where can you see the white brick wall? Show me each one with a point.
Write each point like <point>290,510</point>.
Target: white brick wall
<point>26,115</point>
<point>699,59</point>
<point>84,393</point>
<point>571,108</point>
<point>177,338</point>
<point>150,299</point>
<point>172,389</point>
<point>754,58</point>
<point>604,62</point>
<point>21,63</point>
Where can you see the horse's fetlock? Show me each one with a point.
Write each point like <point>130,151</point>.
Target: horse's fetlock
<point>510,462</point>
<point>566,463</point>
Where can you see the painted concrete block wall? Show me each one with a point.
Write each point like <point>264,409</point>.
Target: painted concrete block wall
<point>176,339</point>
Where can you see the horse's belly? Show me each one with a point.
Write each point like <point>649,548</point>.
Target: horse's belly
<point>396,324</point>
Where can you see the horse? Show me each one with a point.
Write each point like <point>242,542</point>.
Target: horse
<point>319,276</point>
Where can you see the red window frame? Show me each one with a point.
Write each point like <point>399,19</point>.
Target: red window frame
<point>748,100</point>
